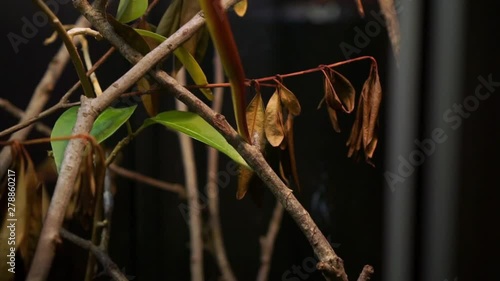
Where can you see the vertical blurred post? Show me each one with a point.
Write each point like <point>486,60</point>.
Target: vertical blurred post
<point>402,129</point>
<point>441,170</point>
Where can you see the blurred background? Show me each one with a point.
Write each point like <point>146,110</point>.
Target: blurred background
<point>435,223</point>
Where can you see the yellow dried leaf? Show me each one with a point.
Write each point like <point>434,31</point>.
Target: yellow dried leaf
<point>289,100</point>
<point>274,129</point>
<point>241,7</point>
<point>255,114</point>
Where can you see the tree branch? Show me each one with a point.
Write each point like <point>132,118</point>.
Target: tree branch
<point>190,180</point>
<point>109,266</point>
<point>18,113</point>
<point>267,243</point>
<point>171,187</point>
<point>63,102</point>
<point>212,189</point>
<point>70,46</point>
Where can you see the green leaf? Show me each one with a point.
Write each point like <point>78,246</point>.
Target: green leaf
<point>189,62</point>
<point>194,126</point>
<point>129,10</point>
<point>104,126</point>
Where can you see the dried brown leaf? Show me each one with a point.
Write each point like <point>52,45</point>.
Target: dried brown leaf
<point>255,114</point>
<point>333,119</point>
<point>339,92</point>
<point>291,150</point>
<point>275,132</point>
<point>289,100</point>
<point>363,133</point>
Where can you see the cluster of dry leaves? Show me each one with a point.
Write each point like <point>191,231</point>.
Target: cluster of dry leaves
<point>273,124</point>
<point>32,197</point>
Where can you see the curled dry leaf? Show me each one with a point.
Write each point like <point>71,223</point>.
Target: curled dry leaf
<point>289,100</point>
<point>255,115</point>
<point>275,132</point>
<point>363,134</point>
<point>339,95</point>
<point>291,149</point>
<point>339,92</point>
<point>23,186</point>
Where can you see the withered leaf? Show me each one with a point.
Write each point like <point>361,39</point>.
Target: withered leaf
<point>275,132</point>
<point>289,100</point>
<point>255,115</point>
<point>363,133</point>
<point>333,119</point>
<point>339,92</point>
<point>21,185</point>
<point>291,150</point>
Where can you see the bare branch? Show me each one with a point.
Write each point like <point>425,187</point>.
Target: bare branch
<point>213,189</point>
<point>109,266</point>
<point>18,113</point>
<point>171,187</point>
<point>70,46</point>
<point>267,243</point>
<point>63,102</point>
<point>190,179</point>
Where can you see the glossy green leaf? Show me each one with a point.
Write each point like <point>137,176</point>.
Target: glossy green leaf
<point>104,126</point>
<point>129,10</point>
<point>194,126</point>
<point>189,62</point>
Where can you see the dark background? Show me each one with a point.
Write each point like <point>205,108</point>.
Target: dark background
<point>150,238</point>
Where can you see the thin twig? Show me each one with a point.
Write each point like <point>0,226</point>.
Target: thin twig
<point>19,113</point>
<point>170,187</point>
<point>267,243</point>
<point>190,180</point>
<point>63,102</point>
<point>110,267</point>
<point>38,101</point>
<point>70,46</point>
<point>84,31</point>
<point>213,189</point>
